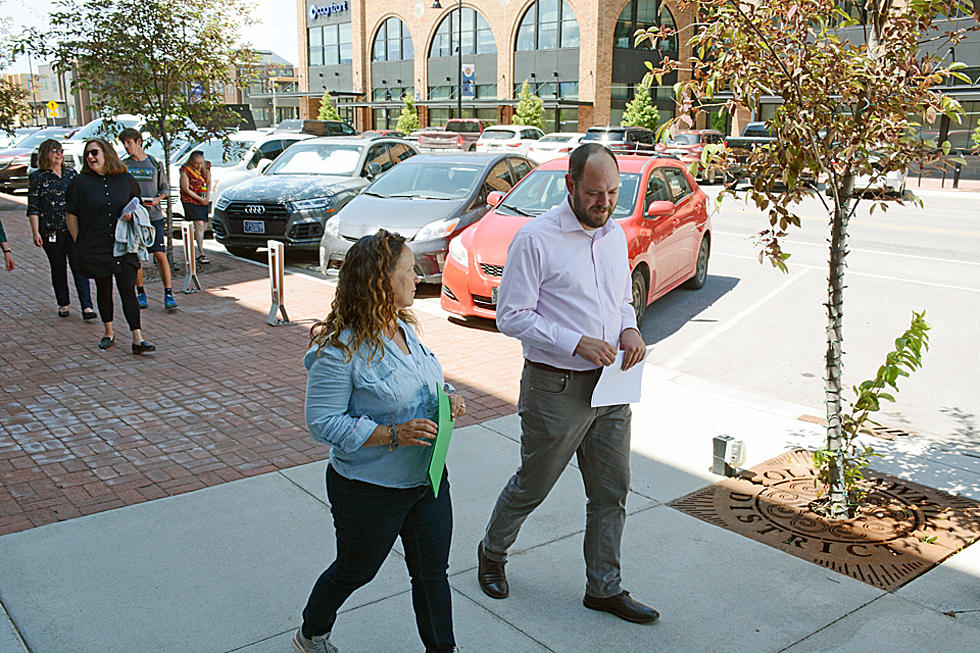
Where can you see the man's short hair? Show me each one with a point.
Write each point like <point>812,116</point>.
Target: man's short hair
<point>130,134</point>
<point>580,156</point>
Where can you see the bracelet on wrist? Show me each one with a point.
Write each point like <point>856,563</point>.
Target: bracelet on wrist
<point>393,443</point>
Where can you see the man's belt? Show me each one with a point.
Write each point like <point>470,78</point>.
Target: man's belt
<point>559,370</point>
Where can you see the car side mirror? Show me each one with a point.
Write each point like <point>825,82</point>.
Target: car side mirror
<point>372,170</point>
<point>495,198</point>
<point>262,165</point>
<point>660,208</point>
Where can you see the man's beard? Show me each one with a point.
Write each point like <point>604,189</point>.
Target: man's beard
<point>587,218</point>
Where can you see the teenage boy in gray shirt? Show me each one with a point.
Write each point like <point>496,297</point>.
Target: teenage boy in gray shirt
<point>152,178</point>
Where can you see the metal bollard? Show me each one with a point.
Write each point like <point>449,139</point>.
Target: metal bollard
<point>277,268</point>
<point>190,259</point>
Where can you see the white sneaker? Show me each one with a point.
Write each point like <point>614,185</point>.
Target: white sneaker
<point>319,644</point>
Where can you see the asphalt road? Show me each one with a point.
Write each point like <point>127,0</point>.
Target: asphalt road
<point>756,329</point>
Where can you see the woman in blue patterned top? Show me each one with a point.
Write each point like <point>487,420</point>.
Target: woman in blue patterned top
<point>46,211</point>
<point>371,395</point>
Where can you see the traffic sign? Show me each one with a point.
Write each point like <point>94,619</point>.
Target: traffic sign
<point>52,109</point>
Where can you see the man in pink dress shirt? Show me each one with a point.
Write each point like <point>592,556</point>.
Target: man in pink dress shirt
<point>565,294</point>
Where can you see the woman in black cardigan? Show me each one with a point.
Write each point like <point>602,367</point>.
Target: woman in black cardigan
<point>94,201</point>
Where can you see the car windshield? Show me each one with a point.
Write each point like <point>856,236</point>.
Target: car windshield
<point>99,128</point>
<point>756,131</point>
<point>555,138</point>
<point>225,157</point>
<point>38,137</point>
<point>463,127</point>
<point>317,159</point>
<point>443,181</point>
<point>683,139</point>
<point>497,133</point>
<point>544,189</point>
<point>604,135</point>
<point>154,147</point>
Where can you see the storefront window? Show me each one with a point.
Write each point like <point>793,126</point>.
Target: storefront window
<point>547,25</point>
<point>477,36</point>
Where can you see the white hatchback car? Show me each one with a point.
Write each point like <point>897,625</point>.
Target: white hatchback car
<point>512,139</point>
<point>248,154</point>
<point>552,146</point>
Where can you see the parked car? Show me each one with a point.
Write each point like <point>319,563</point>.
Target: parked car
<point>508,138</point>
<point>754,134</point>
<point>687,147</point>
<point>292,200</point>
<point>428,199</point>
<point>15,161</point>
<point>415,134</point>
<point>622,140</point>
<point>660,207</point>
<point>247,155</point>
<point>316,127</point>
<point>458,134</point>
<point>378,133</point>
<point>878,182</point>
<point>552,146</point>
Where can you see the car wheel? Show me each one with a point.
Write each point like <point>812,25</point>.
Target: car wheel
<point>640,288</point>
<point>701,271</point>
<point>241,250</point>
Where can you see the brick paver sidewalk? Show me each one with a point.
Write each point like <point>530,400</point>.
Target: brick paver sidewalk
<point>82,430</point>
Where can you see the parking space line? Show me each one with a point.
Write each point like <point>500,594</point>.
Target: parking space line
<point>805,266</point>
<point>862,250</point>
<point>675,362</point>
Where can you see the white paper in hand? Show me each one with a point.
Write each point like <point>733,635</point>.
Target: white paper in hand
<point>131,207</point>
<point>616,386</point>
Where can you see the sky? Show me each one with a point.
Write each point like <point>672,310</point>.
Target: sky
<point>276,29</point>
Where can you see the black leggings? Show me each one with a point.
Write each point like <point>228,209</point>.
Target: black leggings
<point>126,283</point>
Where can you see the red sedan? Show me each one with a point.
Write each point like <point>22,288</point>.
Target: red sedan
<point>660,207</point>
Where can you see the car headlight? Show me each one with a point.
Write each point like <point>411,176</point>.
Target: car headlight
<point>437,229</point>
<point>457,251</point>
<point>222,203</point>
<point>332,228</point>
<point>324,203</point>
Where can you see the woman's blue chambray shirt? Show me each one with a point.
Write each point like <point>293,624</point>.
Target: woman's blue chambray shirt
<point>346,401</point>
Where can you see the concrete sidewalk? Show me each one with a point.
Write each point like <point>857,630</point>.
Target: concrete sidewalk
<point>228,568</point>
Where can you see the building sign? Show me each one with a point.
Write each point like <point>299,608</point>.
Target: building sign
<point>326,11</point>
<point>469,81</point>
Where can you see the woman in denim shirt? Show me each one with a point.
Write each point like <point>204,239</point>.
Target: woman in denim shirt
<point>371,395</point>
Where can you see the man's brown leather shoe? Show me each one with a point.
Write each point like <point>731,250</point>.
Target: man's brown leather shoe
<point>493,580</point>
<point>623,607</point>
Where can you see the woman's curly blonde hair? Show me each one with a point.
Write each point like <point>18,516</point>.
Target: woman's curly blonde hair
<point>364,302</point>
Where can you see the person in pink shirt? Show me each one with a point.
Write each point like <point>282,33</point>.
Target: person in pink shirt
<point>565,294</point>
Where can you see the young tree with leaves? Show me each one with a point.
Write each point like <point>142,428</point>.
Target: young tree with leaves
<point>13,104</point>
<point>327,109</point>
<point>166,60</point>
<point>530,108</point>
<point>640,111</point>
<point>408,119</point>
<point>853,96</point>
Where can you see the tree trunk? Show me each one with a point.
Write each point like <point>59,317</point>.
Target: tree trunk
<point>837,493</point>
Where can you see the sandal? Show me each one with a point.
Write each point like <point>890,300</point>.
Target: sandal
<point>203,260</point>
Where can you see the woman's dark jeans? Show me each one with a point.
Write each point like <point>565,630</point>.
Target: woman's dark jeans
<point>61,256</point>
<point>367,519</point>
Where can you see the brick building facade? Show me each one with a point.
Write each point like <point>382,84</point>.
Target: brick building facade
<point>578,55</point>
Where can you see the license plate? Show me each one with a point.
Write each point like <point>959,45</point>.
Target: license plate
<point>254,226</point>
<point>493,294</point>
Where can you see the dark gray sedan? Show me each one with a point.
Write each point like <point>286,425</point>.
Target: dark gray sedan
<point>294,197</point>
<point>428,199</point>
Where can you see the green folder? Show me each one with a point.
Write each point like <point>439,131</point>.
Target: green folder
<point>437,463</point>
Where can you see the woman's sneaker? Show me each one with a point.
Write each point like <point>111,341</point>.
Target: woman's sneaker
<point>319,644</point>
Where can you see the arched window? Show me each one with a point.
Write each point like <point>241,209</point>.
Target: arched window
<point>393,42</point>
<point>547,25</point>
<point>477,37</point>
<point>642,14</point>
